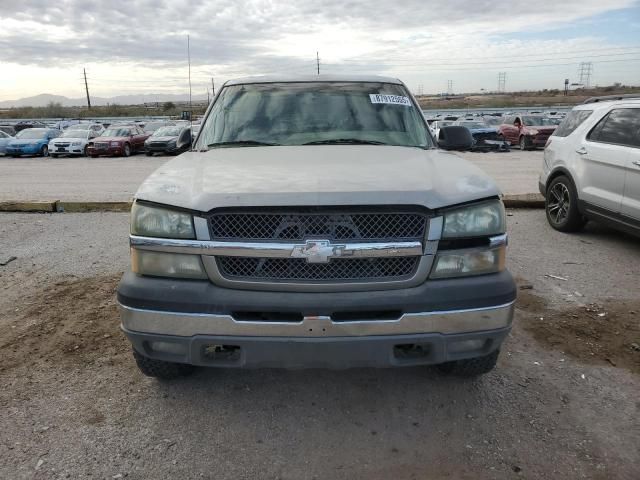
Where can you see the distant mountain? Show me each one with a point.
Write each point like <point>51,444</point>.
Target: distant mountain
<point>44,99</point>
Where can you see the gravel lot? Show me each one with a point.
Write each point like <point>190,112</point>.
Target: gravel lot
<point>563,402</point>
<point>117,179</point>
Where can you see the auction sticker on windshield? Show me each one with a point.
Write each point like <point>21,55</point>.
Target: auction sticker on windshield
<point>390,99</point>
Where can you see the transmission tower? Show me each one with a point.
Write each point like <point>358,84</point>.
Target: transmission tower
<point>502,81</point>
<point>449,87</point>
<point>585,70</point>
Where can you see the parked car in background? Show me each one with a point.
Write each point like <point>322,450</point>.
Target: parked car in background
<point>591,168</point>
<point>31,141</point>
<point>4,141</point>
<point>8,129</point>
<point>492,121</point>
<point>96,127</point>
<point>527,131</point>
<point>28,124</point>
<point>195,128</point>
<point>485,138</point>
<point>118,140</point>
<point>436,125</point>
<point>169,140</point>
<point>72,141</point>
<point>153,126</point>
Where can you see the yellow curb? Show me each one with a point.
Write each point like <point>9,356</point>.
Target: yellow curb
<point>80,207</point>
<point>527,200</point>
<point>39,206</point>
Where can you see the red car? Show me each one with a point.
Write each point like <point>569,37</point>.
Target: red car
<point>528,131</point>
<point>118,140</point>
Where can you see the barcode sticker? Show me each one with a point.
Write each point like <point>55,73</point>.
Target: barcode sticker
<point>390,99</point>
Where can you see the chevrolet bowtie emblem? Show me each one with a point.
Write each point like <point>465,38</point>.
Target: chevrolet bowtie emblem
<point>318,251</point>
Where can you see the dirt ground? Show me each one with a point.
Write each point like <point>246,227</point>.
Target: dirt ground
<point>562,403</point>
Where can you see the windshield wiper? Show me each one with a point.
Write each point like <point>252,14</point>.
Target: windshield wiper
<point>242,143</point>
<point>345,141</point>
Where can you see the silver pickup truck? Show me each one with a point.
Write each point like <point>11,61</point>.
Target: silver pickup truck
<point>316,224</point>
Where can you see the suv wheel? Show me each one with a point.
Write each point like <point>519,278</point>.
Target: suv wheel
<point>126,151</point>
<point>561,205</point>
<point>161,369</point>
<point>524,143</point>
<point>471,367</point>
<point>45,151</point>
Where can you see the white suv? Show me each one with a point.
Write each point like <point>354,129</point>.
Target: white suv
<point>591,168</point>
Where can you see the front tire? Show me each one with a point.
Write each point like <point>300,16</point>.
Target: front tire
<point>471,367</point>
<point>45,151</point>
<point>160,369</point>
<point>126,150</point>
<point>524,143</point>
<point>561,206</point>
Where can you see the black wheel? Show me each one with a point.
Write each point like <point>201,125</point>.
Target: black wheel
<point>85,152</point>
<point>524,143</point>
<point>561,205</point>
<point>126,150</point>
<point>45,151</point>
<point>471,367</point>
<point>94,156</point>
<point>160,369</point>
<point>148,154</point>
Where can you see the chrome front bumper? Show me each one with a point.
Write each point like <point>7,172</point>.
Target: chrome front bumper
<point>191,324</point>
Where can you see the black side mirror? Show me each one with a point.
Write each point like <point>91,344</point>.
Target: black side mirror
<point>455,137</point>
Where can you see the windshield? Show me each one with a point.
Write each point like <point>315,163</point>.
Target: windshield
<point>541,121</point>
<point>31,133</point>
<point>78,126</point>
<point>167,132</point>
<point>116,132</point>
<point>314,112</point>
<point>74,133</point>
<point>153,126</point>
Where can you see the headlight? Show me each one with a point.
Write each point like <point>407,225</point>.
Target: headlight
<point>458,263</point>
<point>76,144</point>
<point>532,132</point>
<point>159,222</point>
<point>115,144</point>
<point>160,264</point>
<point>479,220</point>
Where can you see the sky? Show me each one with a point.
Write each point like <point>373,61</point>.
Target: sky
<point>140,46</point>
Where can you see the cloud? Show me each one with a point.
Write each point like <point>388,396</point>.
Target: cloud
<point>262,36</point>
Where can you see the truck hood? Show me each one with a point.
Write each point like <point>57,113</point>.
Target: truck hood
<point>315,176</point>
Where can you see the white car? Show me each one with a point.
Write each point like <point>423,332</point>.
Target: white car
<point>96,127</point>
<point>72,142</point>
<point>437,124</point>
<point>591,168</point>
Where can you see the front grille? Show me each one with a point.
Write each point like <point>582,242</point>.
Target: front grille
<point>101,144</point>
<point>298,269</point>
<point>267,226</point>
<point>481,137</point>
<point>158,144</point>
<point>61,144</point>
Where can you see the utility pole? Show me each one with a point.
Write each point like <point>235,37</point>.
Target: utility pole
<point>585,70</point>
<point>208,101</point>
<point>189,60</point>
<point>213,88</point>
<point>318,61</point>
<point>86,86</point>
<point>502,81</point>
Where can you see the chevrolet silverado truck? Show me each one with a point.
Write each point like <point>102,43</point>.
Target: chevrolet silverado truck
<point>315,224</point>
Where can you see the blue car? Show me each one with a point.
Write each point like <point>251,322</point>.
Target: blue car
<point>5,138</point>
<point>486,137</point>
<point>31,141</point>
